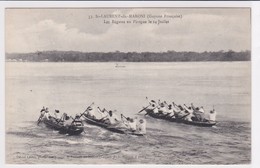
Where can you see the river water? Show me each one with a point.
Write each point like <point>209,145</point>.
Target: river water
<point>71,87</point>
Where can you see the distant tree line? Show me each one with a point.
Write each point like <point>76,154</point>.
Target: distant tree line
<point>169,56</point>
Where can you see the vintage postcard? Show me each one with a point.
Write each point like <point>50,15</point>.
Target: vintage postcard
<point>132,85</point>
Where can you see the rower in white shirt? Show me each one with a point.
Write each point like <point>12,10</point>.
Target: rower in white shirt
<point>141,126</point>
<point>212,115</point>
<point>46,114</point>
<point>57,114</point>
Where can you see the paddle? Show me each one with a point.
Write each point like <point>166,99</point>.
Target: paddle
<point>81,114</point>
<point>40,119</point>
<point>88,107</point>
<point>75,118</point>
<point>102,111</point>
<point>183,116</point>
<point>151,110</point>
<point>122,115</point>
<point>180,111</point>
<point>122,119</point>
<point>144,108</point>
<point>105,110</point>
<point>60,119</point>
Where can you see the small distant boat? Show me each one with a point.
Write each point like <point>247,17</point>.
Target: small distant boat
<point>110,127</point>
<point>196,123</point>
<point>119,66</point>
<point>70,130</point>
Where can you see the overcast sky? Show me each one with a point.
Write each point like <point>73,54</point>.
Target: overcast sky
<point>199,29</point>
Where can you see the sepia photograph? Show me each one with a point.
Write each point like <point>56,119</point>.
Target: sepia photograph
<point>128,85</point>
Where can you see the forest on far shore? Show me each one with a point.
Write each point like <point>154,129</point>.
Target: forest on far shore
<point>117,56</point>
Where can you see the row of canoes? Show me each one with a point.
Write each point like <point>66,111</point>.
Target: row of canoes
<point>78,129</point>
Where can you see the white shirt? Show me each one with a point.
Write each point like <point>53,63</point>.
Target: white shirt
<point>176,108</point>
<point>68,122</point>
<point>212,115</point>
<point>113,119</point>
<point>188,117</point>
<point>156,110</point>
<point>201,110</point>
<point>102,114</point>
<point>132,125</point>
<point>47,115</point>
<point>141,127</point>
<point>171,111</point>
<point>163,109</point>
<point>57,115</point>
<point>91,113</point>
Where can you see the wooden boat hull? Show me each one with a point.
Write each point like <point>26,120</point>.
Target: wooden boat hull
<point>195,123</point>
<point>70,130</point>
<point>110,128</point>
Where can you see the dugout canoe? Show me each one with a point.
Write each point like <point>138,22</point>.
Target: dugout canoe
<point>109,127</point>
<point>195,123</point>
<point>70,130</point>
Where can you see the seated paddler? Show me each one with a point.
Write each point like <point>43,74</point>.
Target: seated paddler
<point>112,118</point>
<point>42,112</point>
<point>47,114</point>
<point>57,114</point>
<point>163,110</point>
<point>212,115</point>
<point>179,111</point>
<point>141,126</point>
<point>66,120</point>
<point>129,123</point>
<point>91,113</point>
<point>170,111</point>
<point>103,115</point>
<point>132,124</point>
<point>189,112</point>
